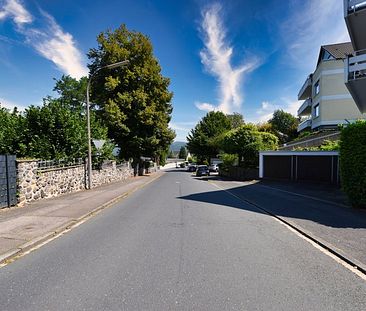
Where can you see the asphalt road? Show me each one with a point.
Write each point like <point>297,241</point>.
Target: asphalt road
<point>180,244</point>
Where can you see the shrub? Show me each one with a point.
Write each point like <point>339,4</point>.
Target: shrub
<point>353,162</point>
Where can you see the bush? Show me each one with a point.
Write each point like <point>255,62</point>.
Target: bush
<point>353,162</point>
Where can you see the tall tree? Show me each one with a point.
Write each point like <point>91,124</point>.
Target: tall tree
<point>134,101</point>
<point>285,125</point>
<point>182,153</point>
<point>204,140</point>
<point>12,132</point>
<point>236,120</point>
<point>246,141</point>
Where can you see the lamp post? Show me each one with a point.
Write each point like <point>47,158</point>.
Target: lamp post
<point>111,66</point>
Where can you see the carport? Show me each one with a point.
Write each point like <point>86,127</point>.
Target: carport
<point>313,166</point>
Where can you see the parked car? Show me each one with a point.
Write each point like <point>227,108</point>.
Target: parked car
<point>192,167</point>
<point>202,170</point>
<point>182,165</point>
<point>213,168</point>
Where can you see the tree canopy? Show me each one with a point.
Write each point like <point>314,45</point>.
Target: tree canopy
<point>285,125</point>
<point>246,141</point>
<point>204,139</point>
<point>134,101</point>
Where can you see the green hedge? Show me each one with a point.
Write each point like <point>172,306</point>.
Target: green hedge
<point>353,162</point>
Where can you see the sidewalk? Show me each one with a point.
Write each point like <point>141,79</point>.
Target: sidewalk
<point>319,211</point>
<point>25,227</point>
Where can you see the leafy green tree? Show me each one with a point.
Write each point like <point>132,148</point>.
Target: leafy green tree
<point>246,141</point>
<point>133,101</point>
<point>236,120</point>
<point>53,131</point>
<point>285,125</point>
<point>204,141</point>
<point>182,153</point>
<point>11,132</point>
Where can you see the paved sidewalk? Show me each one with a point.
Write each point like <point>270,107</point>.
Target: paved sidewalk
<point>25,227</point>
<point>319,211</point>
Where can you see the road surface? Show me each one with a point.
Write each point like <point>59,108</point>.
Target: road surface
<point>180,244</point>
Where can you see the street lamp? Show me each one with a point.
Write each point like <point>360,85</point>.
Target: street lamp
<point>110,66</point>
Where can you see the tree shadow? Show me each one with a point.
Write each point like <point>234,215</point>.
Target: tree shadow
<point>284,204</point>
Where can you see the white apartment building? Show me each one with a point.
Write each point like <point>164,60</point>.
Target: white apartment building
<point>327,101</point>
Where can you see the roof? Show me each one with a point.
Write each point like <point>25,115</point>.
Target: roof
<point>338,50</point>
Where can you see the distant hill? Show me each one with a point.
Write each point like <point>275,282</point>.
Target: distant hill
<point>175,147</point>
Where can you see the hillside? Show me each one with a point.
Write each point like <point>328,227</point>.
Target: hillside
<point>175,147</point>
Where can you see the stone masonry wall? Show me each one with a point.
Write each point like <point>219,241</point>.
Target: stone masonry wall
<point>35,184</point>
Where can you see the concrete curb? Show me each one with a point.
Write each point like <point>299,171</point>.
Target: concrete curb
<point>18,252</point>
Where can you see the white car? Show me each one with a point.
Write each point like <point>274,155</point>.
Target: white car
<point>213,168</point>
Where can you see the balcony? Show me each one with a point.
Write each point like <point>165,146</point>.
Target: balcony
<point>355,17</point>
<point>306,124</point>
<point>355,79</point>
<point>305,108</point>
<point>305,91</point>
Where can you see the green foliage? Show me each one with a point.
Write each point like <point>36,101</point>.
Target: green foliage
<point>285,125</point>
<point>182,153</point>
<point>133,101</point>
<point>353,162</point>
<point>330,145</point>
<point>246,142</point>
<point>53,131</point>
<point>11,132</point>
<point>228,160</point>
<point>204,141</point>
<point>236,120</point>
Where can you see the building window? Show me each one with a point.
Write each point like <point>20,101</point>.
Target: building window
<point>316,110</point>
<point>316,88</point>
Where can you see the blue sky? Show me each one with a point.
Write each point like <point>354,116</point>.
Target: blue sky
<point>240,56</point>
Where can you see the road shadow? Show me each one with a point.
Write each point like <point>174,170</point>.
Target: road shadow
<point>284,204</point>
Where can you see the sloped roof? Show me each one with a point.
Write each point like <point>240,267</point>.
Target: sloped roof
<point>339,50</point>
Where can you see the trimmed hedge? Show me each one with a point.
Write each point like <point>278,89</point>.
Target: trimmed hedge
<point>353,162</point>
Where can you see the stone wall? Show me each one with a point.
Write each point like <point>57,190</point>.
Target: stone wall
<point>110,174</point>
<point>35,184</point>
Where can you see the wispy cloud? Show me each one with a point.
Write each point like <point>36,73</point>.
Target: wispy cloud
<point>217,57</point>
<point>205,106</point>
<point>5,103</point>
<point>15,10</point>
<point>50,41</point>
<point>311,24</point>
<point>182,129</point>
<point>265,112</point>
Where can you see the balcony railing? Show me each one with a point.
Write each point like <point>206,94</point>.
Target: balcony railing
<point>305,91</point>
<point>304,125</point>
<point>355,79</point>
<point>355,67</point>
<point>353,5</point>
<point>355,18</point>
<point>305,108</point>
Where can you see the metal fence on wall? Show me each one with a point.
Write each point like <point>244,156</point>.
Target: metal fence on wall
<point>8,181</point>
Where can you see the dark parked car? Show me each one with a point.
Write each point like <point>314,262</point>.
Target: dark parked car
<point>192,167</point>
<point>202,170</point>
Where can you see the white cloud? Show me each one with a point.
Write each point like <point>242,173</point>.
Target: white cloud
<point>217,56</point>
<point>58,46</point>
<point>205,106</point>
<point>182,129</point>
<point>15,10</point>
<point>265,112</point>
<point>311,24</point>
<point>10,104</point>
<point>50,41</point>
